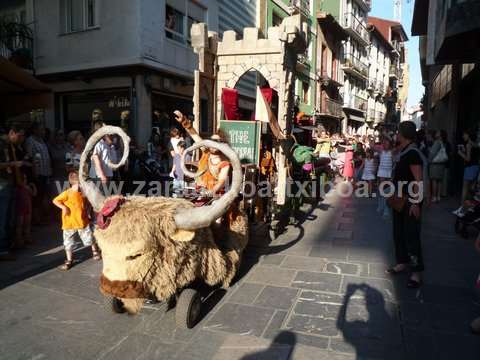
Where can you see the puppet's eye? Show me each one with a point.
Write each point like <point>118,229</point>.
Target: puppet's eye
<point>133,257</point>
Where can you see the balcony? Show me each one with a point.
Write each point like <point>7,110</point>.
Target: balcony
<point>397,45</point>
<point>16,44</point>
<point>331,107</point>
<point>356,102</point>
<point>394,72</point>
<point>371,115</point>
<point>379,117</point>
<point>365,4</point>
<point>303,63</point>
<point>356,28</point>
<point>380,87</point>
<point>300,6</point>
<point>354,66</point>
<point>329,80</point>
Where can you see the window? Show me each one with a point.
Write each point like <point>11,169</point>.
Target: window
<point>276,19</point>
<point>306,92</point>
<point>78,15</point>
<point>179,18</point>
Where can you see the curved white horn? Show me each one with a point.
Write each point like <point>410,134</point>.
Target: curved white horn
<point>196,218</point>
<point>92,193</point>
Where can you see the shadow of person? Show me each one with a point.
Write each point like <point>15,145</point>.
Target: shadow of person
<point>280,349</point>
<point>367,324</point>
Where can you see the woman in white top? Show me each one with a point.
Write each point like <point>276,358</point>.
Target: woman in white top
<point>384,175</point>
<point>369,170</point>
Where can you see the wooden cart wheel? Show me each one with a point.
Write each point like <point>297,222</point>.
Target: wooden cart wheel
<point>188,309</point>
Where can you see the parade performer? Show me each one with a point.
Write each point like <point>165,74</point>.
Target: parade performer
<point>213,167</point>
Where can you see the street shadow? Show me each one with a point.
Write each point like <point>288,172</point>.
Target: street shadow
<point>281,348</point>
<point>44,254</point>
<point>370,332</point>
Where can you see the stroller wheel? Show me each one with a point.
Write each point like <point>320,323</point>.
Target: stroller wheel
<point>114,304</point>
<point>189,306</point>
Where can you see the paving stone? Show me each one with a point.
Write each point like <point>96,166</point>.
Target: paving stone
<point>340,234</point>
<point>251,348</point>
<point>345,220</point>
<point>240,319</point>
<point>277,297</point>
<point>379,288</point>
<point>310,305</point>
<point>313,325</point>
<point>272,259</point>
<point>370,254</point>
<point>301,352</point>
<point>419,345</point>
<point>317,281</point>
<point>453,319</point>
<point>368,349</point>
<point>378,271</point>
<point>271,276</point>
<point>141,346</point>
<point>246,293</point>
<point>203,346</point>
<point>346,226</point>
<point>330,252</point>
<point>342,268</point>
<point>415,315</point>
<point>304,263</point>
<point>450,346</point>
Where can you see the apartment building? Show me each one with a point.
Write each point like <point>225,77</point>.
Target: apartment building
<point>379,75</point>
<point>449,51</point>
<point>22,94</point>
<point>396,93</point>
<point>271,13</point>
<point>130,57</point>
<point>329,49</point>
<point>352,16</point>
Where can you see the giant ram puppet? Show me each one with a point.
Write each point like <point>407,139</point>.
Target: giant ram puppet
<point>156,247</point>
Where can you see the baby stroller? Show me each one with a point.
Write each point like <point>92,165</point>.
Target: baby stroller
<point>466,218</point>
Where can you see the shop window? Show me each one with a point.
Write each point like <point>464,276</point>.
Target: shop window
<point>179,18</point>
<point>78,15</point>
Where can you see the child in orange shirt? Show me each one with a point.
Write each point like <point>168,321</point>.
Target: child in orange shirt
<point>75,220</point>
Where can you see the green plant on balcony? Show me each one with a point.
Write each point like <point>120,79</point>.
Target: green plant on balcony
<point>17,39</point>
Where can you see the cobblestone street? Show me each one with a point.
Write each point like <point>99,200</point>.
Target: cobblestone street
<point>317,292</point>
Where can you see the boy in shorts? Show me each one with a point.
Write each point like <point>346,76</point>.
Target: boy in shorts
<point>75,220</point>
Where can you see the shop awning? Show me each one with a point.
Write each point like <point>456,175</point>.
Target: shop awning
<point>356,118</point>
<point>21,92</point>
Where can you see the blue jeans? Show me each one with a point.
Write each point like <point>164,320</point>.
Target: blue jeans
<point>7,198</point>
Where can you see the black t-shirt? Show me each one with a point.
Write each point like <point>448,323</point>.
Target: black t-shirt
<point>402,170</point>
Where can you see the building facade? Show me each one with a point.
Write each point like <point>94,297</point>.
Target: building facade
<point>352,16</point>
<point>130,59</point>
<point>449,51</point>
<point>396,93</point>
<point>271,13</point>
<point>329,49</point>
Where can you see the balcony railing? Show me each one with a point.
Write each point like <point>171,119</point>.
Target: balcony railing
<point>394,71</point>
<point>350,21</point>
<point>351,61</point>
<point>380,117</point>
<point>303,6</point>
<point>16,44</point>
<point>356,102</point>
<point>397,45</point>
<point>331,107</point>
<point>380,88</point>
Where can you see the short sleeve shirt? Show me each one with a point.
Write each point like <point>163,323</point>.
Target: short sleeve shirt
<point>77,218</point>
<point>106,153</point>
<point>402,170</point>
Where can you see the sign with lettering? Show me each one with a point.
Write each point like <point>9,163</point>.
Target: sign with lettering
<point>244,138</point>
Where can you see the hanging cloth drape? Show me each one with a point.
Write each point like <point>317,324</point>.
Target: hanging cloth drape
<point>230,104</point>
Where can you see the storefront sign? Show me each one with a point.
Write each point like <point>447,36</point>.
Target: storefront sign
<point>244,138</point>
<point>119,102</point>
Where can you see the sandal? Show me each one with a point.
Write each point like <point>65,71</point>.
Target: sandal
<point>67,265</point>
<point>97,256</point>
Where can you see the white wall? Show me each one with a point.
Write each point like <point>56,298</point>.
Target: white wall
<point>115,41</point>
<point>129,32</point>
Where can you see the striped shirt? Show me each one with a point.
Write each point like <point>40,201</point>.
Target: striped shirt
<point>386,164</point>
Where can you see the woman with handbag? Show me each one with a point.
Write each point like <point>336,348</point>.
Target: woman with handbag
<point>437,160</point>
<point>406,206</point>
